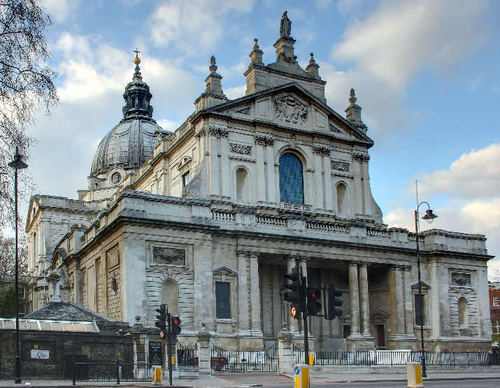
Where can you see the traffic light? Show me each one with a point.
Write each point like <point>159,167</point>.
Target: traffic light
<point>294,312</point>
<point>161,318</point>
<point>295,290</point>
<point>334,301</point>
<point>313,301</point>
<point>175,325</point>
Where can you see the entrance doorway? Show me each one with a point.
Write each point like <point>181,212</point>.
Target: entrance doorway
<point>380,336</point>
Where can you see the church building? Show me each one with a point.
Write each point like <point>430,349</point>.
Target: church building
<point>209,218</point>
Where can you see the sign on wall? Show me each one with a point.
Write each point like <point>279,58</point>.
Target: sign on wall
<point>155,353</point>
<point>39,354</point>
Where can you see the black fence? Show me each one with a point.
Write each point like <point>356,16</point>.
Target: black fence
<point>232,361</point>
<point>111,371</point>
<point>187,357</point>
<point>400,357</point>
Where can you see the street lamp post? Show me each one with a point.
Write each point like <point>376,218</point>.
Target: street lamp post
<point>17,164</point>
<point>429,216</point>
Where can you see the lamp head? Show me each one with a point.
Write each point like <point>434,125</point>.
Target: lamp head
<point>429,216</point>
<point>18,162</point>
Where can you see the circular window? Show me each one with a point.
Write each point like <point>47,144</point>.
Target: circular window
<point>116,178</point>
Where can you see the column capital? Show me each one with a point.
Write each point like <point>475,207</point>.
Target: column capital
<point>241,252</point>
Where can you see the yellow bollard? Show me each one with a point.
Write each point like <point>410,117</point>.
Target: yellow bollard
<point>301,373</point>
<point>311,359</point>
<point>414,375</point>
<point>156,375</point>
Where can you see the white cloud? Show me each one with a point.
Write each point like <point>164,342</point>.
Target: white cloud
<point>403,37</point>
<point>193,26</point>
<point>473,185</point>
<point>389,47</point>
<point>475,175</point>
<point>58,9</point>
<point>236,92</point>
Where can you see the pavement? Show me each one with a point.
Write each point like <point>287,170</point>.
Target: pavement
<point>319,375</point>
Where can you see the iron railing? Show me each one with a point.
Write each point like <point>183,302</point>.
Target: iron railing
<point>238,361</point>
<point>400,357</point>
<point>111,371</point>
<point>187,357</point>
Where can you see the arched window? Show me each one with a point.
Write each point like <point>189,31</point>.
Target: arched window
<point>341,198</point>
<point>291,179</point>
<point>241,184</point>
<point>169,296</point>
<point>463,313</point>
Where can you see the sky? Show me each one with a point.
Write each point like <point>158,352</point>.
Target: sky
<point>425,73</point>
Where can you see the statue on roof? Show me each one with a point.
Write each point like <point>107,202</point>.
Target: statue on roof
<point>285,26</point>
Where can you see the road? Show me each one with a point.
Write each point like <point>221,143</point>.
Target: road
<point>281,382</point>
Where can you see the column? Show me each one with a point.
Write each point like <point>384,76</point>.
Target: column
<point>329,205</point>
<point>226,177</point>
<point>364,300</point>
<point>243,301</point>
<point>261,176</point>
<point>318,200</point>
<point>270,184</point>
<point>354,298</point>
<point>293,324</point>
<point>255,294</point>
<point>396,301</point>
<point>408,296</point>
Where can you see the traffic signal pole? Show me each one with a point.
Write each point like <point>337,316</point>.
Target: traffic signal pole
<point>169,347</point>
<point>306,327</point>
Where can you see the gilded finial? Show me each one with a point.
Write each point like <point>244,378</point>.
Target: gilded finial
<point>137,60</point>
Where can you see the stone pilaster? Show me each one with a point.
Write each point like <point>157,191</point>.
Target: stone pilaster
<point>354,299</point>
<point>364,300</point>
<point>256,327</point>
<point>243,302</point>
<point>409,328</point>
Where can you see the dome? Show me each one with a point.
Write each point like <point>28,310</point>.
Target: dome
<point>130,143</point>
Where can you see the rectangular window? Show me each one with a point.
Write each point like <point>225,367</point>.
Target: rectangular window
<point>496,327</point>
<point>496,301</point>
<point>185,180</point>
<point>419,310</point>
<point>222,300</point>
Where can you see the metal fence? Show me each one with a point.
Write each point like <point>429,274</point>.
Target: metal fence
<point>400,357</point>
<point>111,371</point>
<point>187,357</point>
<point>233,361</point>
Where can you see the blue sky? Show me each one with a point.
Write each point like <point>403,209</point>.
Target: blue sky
<point>425,73</point>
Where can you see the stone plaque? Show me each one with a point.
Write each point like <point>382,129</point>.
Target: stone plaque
<point>171,256</point>
<point>155,353</point>
<point>461,279</point>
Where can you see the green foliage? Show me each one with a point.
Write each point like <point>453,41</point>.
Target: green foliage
<point>8,302</point>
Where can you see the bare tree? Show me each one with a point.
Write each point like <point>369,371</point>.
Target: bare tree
<point>26,84</point>
<point>7,256</point>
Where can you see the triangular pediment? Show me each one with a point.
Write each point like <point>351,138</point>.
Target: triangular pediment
<point>32,212</point>
<point>294,107</point>
<point>224,271</point>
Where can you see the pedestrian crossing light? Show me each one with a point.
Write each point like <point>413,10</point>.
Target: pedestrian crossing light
<point>161,318</point>
<point>334,301</point>
<point>176,325</point>
<point>313,301</point>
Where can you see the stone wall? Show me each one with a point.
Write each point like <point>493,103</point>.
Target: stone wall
<point>61,347</point>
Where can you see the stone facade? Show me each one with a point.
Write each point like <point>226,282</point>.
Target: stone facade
<point>208,226</point>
